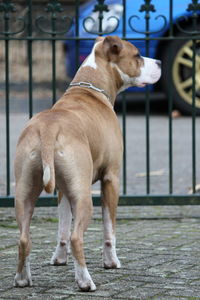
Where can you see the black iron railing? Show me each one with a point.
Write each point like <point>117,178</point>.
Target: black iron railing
<point>51,27</point>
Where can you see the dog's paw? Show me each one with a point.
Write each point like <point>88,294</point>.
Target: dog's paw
<point>22,280</point>
<point>58,260</point>
<point>86,285</point>
<point>83,278</point>
<point>55,261</point>
<point>60,256</point>
<point>110,259</point>
<point>112,264</point>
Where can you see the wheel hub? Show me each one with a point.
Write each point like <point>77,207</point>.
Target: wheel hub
<point>182,72</point>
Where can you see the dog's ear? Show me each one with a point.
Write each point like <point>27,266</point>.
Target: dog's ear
<point>112,45</point>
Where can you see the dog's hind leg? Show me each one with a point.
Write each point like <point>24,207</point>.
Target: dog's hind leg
<point>110,194</point>
<point>27,192</point>
<point>82,212</point>
<point>60,256</point>
<point>74,172</point>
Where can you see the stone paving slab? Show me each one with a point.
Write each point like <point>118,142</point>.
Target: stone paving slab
<point>159,248</point>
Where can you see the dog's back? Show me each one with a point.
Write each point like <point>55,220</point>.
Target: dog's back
<point>73,122</point>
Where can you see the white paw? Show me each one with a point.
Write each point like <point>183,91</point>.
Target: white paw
<point>110,259</point>
<point>60,256</point>
<point>58,261</point>
<point>83,278</point>
<point>86,285</point>
<point>112,264</point>
<point>22,280</point>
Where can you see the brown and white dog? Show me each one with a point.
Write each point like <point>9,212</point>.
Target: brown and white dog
<point>72,145</point>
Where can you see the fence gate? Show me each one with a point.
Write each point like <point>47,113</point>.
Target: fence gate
<point>42,43</point>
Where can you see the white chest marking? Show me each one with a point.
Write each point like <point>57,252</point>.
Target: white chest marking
<point>90,60</point>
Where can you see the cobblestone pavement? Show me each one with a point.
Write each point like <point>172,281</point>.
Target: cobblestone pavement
<point>158,248</point>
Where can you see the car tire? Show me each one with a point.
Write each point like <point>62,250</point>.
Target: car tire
<point>177,65</point>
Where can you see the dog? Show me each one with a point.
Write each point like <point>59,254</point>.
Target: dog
<point>72,145</point>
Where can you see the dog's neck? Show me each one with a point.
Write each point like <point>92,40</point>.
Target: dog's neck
<point>102,76</point>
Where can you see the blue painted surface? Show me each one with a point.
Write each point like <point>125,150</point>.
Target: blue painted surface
<point>157,24</point>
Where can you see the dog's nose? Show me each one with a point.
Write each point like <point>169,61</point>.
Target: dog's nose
<point>158,62</point>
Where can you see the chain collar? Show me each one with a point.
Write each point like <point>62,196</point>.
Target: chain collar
<point>89,86</point>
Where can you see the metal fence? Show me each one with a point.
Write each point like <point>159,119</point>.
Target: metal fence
<point>55,25</point>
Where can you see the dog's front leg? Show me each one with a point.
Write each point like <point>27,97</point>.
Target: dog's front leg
<point>60,256</point>
<point>110,195</point>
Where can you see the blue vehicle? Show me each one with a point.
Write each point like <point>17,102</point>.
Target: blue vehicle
<point>176,53</point>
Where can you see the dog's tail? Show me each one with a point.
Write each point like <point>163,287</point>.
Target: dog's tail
<point>48,139</point>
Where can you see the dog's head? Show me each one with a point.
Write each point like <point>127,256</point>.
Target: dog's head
<point>133,69</point>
